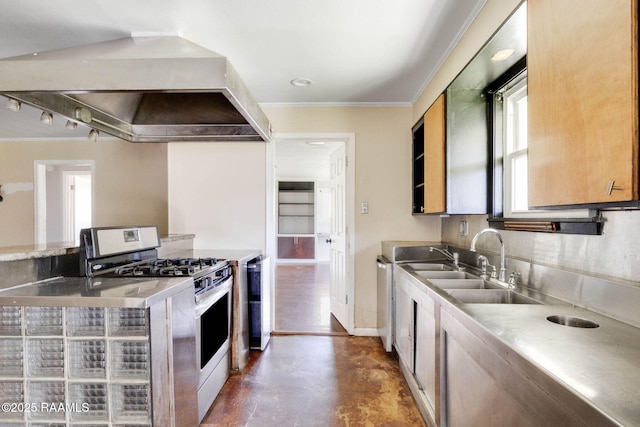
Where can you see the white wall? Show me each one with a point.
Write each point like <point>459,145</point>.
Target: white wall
<point>217,192</point>
<point>130,183</point>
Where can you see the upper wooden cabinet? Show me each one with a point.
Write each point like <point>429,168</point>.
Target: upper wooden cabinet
<point>450,155</point>
<point>429,141</point>
<point>434,157</point>
<point>583,101</point>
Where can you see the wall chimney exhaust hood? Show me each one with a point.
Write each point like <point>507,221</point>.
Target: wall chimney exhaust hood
<point>141,89</point>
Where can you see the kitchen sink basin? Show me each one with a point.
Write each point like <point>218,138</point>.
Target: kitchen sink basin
<point>490,296</point>
<point>462,284</point>
<point>426,266</point>
<point>445,275</point>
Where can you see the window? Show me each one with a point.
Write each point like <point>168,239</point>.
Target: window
<point>513,97</point>
<point>510,175</point>
<point>515,149</point>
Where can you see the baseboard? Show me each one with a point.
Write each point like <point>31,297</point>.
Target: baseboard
<point>366,332</point>
<point>320,334</point>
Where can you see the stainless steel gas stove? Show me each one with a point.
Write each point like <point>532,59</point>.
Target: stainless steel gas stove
<point>132,252</point>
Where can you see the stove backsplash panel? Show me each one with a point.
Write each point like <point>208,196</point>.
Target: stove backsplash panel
<point>13,273</point>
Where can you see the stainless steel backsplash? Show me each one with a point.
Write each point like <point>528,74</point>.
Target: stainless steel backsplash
<point>601,273</point>
<point>23,271</point>
<point>613,255</point>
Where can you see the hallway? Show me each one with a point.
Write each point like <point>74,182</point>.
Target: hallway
<point>322,381</point>
<point>302,300</point>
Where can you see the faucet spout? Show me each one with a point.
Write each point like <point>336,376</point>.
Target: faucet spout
<point>503,271</point>
<point>455,257</point>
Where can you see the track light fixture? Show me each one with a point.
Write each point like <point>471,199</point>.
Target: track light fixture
<point>13,104</point>
<point>93,135</point>
<point>71,125</point>
<point>46,118</point>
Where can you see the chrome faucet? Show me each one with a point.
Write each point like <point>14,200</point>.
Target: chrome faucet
<point>455,257</point>
<point>503,271</point>
<point>484,265</point>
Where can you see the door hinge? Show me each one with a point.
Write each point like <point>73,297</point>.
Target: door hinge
<point>346,299</point>
<point>346,161</point>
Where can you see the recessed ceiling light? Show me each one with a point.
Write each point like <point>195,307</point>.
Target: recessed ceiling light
<point>317,143</point>
<point>502,54</point>
<point>301,82</point>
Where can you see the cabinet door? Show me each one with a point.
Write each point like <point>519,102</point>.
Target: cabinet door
<point>583,104</point>
<point>426,350</point>
<point>294,247</point>
<point>306,247</point>
<point>404,323</point>
<point>434,157</point>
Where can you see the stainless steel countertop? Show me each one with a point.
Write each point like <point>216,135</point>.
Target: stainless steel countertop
<point>95,292</point>
<point>600,366</point>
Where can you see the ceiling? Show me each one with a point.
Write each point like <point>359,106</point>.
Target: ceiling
<point>356,52</point>
<point>304,159</point>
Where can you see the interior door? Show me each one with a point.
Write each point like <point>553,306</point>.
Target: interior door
<point>337,260</point>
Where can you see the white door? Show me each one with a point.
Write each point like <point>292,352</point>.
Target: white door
<point>338,239</point>
<point>62,199</point>
<point>76,208</point>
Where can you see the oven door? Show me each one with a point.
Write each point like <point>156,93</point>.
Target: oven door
<point>213,312</point>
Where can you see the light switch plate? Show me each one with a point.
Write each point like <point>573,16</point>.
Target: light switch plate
<point>463,228</point>
<point>364,208</point>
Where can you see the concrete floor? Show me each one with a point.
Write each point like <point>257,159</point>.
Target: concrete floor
<point>306,380</point>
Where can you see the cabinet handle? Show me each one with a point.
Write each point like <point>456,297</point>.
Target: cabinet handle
<point>611,187</point>
<point>329,241</point>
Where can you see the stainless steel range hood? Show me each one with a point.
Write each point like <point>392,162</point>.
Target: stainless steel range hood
<point>141,89</point>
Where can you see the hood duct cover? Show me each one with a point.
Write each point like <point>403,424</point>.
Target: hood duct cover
<point>141,89</point>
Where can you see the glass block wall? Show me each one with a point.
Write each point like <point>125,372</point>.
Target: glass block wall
<point>74,366</point>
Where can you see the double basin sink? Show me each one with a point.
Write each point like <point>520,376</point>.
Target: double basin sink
<point>468,288</point>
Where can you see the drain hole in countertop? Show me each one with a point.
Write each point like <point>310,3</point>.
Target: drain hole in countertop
<point>574,322</point>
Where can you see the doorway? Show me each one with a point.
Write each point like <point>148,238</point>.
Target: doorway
<point>63,199</point>
<point>303,289</point>
<point>302,300</point>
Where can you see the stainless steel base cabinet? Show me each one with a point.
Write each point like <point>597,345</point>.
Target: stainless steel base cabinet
<point>416,341</point>
<point>385,307</point>
<point>484,384</point>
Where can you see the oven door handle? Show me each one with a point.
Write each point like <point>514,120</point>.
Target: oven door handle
<point>207,299</point>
